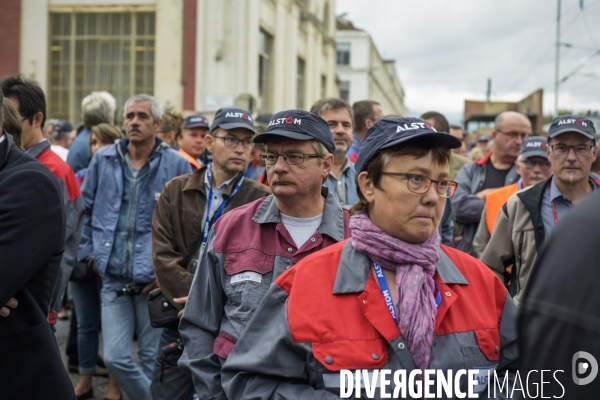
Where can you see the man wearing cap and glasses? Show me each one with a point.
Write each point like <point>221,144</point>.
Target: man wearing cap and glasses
<point>533,167</point>
<point>251,246</point>
<point>188,206</point>
<point>529,216</point>
<point>497,169</point>
<point>191,139</point>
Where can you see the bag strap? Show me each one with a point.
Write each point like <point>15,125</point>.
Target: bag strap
<point>194,249</point>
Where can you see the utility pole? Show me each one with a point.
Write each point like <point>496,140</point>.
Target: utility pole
<point>556,83</point>
<point>489,90</point>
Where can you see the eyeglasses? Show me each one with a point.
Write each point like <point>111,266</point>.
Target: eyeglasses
<point>291,158</point>
<point>579,149</point>
<point>233,142</point>
<point>530,164</point>
<point>420,184</point>
<point>514,135</point>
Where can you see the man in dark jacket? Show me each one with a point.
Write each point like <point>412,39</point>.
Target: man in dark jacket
<point>32,232</point>
<point>30,102</point>
<point>181,221</point>
<point>558,323</point>
<point>495,170</point>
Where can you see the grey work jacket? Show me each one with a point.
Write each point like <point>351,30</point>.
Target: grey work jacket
<point>329,314</point>
<point>247,249</point>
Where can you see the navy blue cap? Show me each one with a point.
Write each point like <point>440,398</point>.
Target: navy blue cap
<point>389,132</point>
<point>62,126</point>
<point>195,121</point>
<point>299,125</point>
<point>231,118</point>
<point>534,146</point>
<point>572,123</point>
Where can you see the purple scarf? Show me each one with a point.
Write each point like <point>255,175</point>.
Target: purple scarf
<point>414,265</point>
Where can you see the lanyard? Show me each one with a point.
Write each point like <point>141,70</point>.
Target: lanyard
<point>553,206</point>
<point>388,296</point>
<point>217,215</point>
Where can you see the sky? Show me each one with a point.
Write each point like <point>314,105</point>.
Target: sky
<point>445,50</point>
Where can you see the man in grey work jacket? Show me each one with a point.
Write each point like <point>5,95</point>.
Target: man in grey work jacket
<point>121,188</point>
<point>249,247</point>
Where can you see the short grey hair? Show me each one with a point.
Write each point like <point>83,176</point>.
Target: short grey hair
<point>98,108</point>
<point>155,107</point>
<point>49,122</point>
<point>333,103</point>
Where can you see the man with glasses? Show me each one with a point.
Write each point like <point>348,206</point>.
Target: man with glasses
<point>496,169</point>
<point>533,167</point>
<point>188,206</point>
<point>249,247</point>
<point>530,215</point>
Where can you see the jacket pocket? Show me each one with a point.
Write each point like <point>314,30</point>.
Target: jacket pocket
<point>223,344</point>
<point>351,354</point>
<point>488,341</point>
<point>248,260</point>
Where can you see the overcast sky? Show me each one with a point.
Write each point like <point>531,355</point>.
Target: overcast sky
<point>446,50</point>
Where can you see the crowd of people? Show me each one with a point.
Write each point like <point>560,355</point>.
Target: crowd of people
<point>256,258</point>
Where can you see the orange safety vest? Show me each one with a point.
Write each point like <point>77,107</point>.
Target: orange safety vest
<point>190,159</point>
<point>494,202</point>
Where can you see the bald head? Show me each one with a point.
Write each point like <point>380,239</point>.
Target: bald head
<point>511,116</point>
<point>510,129</point>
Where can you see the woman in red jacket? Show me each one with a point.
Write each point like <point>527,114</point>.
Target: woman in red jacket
<point>390,298</point>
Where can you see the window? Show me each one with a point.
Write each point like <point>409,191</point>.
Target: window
<point>323,86</point>
<point>265,45</point>
<point>344,87</point>
<point>300,84</point>
<point>343,53</point>
<point>99,51</point>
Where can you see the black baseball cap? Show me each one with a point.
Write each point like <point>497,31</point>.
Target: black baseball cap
<point>390,132</point>
<point>195,121</point>
<point>62,126</point>
<point>231,118</point>
<point>299,125</point>
<point>572,123</point>
<point>534,146</point>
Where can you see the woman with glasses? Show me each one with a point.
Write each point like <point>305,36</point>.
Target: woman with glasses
<point>390,298</point>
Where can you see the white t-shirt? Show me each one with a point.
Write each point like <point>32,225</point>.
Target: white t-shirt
<point>61,151</point>
<point>301,229</point>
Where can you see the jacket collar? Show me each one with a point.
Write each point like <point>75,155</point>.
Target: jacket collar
<point>332,223</point>
<point>484,160</point>
<point>38,148</point>
<point>6,144</point>
<point>197,182</point>
<point>354,269</point>
<point>158,145</point>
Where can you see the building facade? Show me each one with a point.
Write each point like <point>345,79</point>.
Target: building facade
<point>363,74</point>
<point>478,113</point>
<point>194,56</point>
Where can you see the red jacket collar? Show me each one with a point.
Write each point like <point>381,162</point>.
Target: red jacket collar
<point>484,160</point>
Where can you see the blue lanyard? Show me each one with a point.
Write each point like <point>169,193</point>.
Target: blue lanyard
<point>385,290</point>
<point>217,215</point>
